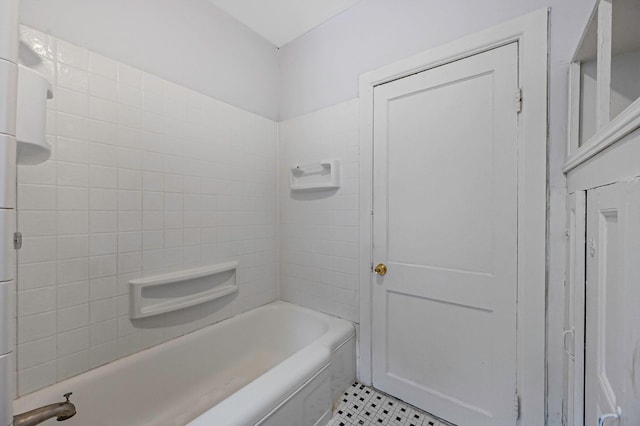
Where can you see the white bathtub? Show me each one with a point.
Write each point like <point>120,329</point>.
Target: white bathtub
<point>279,364</point>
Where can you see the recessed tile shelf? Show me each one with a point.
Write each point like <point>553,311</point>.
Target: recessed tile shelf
<point>316,176</point>
<point>169,292</point>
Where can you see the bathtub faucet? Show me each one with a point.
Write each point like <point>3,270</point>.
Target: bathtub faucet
<point>61,410</point>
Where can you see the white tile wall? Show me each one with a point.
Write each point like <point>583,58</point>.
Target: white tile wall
<point>7,325</point>
<point>146,176</point>
<point>8,93</point>
<point>8,172</point>
<point>319,237</point>
<point>6,406</point>
<point>9,11</point>
<point>7,253</point>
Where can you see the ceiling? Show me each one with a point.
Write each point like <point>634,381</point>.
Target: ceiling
<point>281,21</point>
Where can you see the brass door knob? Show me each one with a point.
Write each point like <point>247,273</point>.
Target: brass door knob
<point>381,269</point>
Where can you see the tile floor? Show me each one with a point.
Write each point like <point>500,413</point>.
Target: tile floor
<point>365,406</point>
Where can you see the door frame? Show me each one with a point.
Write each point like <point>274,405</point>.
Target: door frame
<point>575,299</point>
<point>531,33</point>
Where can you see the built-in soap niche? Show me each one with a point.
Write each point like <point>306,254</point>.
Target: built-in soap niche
<point>324,175</point>
<point>31,110</point>
<point>159,294</point>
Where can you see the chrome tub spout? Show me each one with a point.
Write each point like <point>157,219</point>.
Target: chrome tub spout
<point>61,410</point>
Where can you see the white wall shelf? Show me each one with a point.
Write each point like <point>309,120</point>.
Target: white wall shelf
<point>315,176</point>
<point>169,292</point>
<point>604,99</point>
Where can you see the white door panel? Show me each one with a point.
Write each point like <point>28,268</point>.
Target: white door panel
<point>613,296</point>
<point>445,224</point>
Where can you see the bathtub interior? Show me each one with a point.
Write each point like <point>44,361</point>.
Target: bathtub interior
<point>175,382</point>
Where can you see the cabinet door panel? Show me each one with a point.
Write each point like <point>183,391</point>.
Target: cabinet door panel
<point>613,297</point>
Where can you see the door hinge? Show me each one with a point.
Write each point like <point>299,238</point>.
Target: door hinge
<point>516,405</point>
<point>518,100</point>
<point>592,247</point>
<point>17,240</point>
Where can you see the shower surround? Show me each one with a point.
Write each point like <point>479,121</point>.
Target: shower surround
<point>319,233</point>
<point>146,177</point>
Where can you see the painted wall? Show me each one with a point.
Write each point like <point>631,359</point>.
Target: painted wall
<point>146,177</point>
<point>190,42</point>
<point>321,68</point>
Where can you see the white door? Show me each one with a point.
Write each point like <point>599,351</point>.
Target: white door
<point>445,225</point>
<point>612,355</point>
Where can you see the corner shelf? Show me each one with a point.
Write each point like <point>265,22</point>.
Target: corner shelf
<point>324,175</point>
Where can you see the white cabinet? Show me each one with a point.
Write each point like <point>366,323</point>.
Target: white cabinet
<point>602,342</point>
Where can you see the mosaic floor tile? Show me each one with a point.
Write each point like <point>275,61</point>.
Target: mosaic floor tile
<point>364,406</point>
